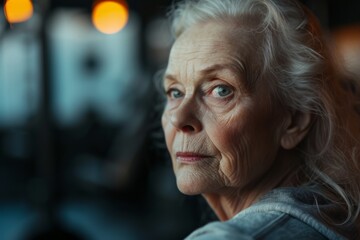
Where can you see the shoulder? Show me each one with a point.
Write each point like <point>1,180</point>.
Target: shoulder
<point>282,214</point>
<point>270,225</point>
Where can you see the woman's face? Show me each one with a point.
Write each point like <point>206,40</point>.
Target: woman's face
<point>219,134</point>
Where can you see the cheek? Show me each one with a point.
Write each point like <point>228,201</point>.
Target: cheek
<point>248,147</point>
<point>234,147</point>
<point>167,130</point>
<point>164,121</point>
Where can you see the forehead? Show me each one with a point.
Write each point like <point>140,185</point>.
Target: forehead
<point>212,42</point>
<point>222,47</point>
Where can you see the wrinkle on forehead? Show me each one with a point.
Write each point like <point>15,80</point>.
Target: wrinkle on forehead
<point>204,46</point>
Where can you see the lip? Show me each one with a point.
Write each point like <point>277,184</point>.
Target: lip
<point>190,157</point>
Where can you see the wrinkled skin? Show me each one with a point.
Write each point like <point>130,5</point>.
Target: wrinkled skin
<point>233,135</point>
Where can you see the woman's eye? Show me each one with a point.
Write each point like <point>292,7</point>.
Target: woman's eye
<point>222,91</point>
<point>174,93</point>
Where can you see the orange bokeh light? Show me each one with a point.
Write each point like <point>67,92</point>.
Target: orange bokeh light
<point>18,10</point>
<point>110,16</point>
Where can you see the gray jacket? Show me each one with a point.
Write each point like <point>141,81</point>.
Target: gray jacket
<point>284,213</point>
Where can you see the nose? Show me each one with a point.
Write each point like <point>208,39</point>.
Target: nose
<point>185,117</point>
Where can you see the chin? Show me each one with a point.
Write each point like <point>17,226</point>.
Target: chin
<point>188,190</point>
<point>192,184</point>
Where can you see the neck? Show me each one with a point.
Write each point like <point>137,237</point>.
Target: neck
<point>227,203</point>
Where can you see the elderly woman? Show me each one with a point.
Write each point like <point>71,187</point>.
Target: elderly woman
<point>256,121</point>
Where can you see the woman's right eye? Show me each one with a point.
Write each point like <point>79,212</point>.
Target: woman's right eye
<point>174,93</point>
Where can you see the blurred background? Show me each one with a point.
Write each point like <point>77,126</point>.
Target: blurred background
<point>82,154</point>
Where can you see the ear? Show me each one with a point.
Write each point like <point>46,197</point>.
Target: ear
<point>296,128</point>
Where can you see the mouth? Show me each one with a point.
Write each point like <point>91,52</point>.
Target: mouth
<point>190,157</point>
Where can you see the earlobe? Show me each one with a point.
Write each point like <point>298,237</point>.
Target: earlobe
<point>296,129</point>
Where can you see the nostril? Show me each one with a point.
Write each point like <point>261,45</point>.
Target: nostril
<point>188,128</point>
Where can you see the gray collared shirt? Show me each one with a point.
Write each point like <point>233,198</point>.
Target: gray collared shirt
<point>284,213</point>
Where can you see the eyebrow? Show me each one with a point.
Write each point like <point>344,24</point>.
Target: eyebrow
<point>217,67</point>
<point>211,69</point>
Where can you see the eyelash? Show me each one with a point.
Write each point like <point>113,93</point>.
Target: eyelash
<point>228,88</point>
<point>170,91</point>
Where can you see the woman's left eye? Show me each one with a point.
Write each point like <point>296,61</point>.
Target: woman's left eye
<point>222,91</point>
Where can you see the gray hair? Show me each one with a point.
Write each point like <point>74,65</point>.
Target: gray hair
<point>292,56</point>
